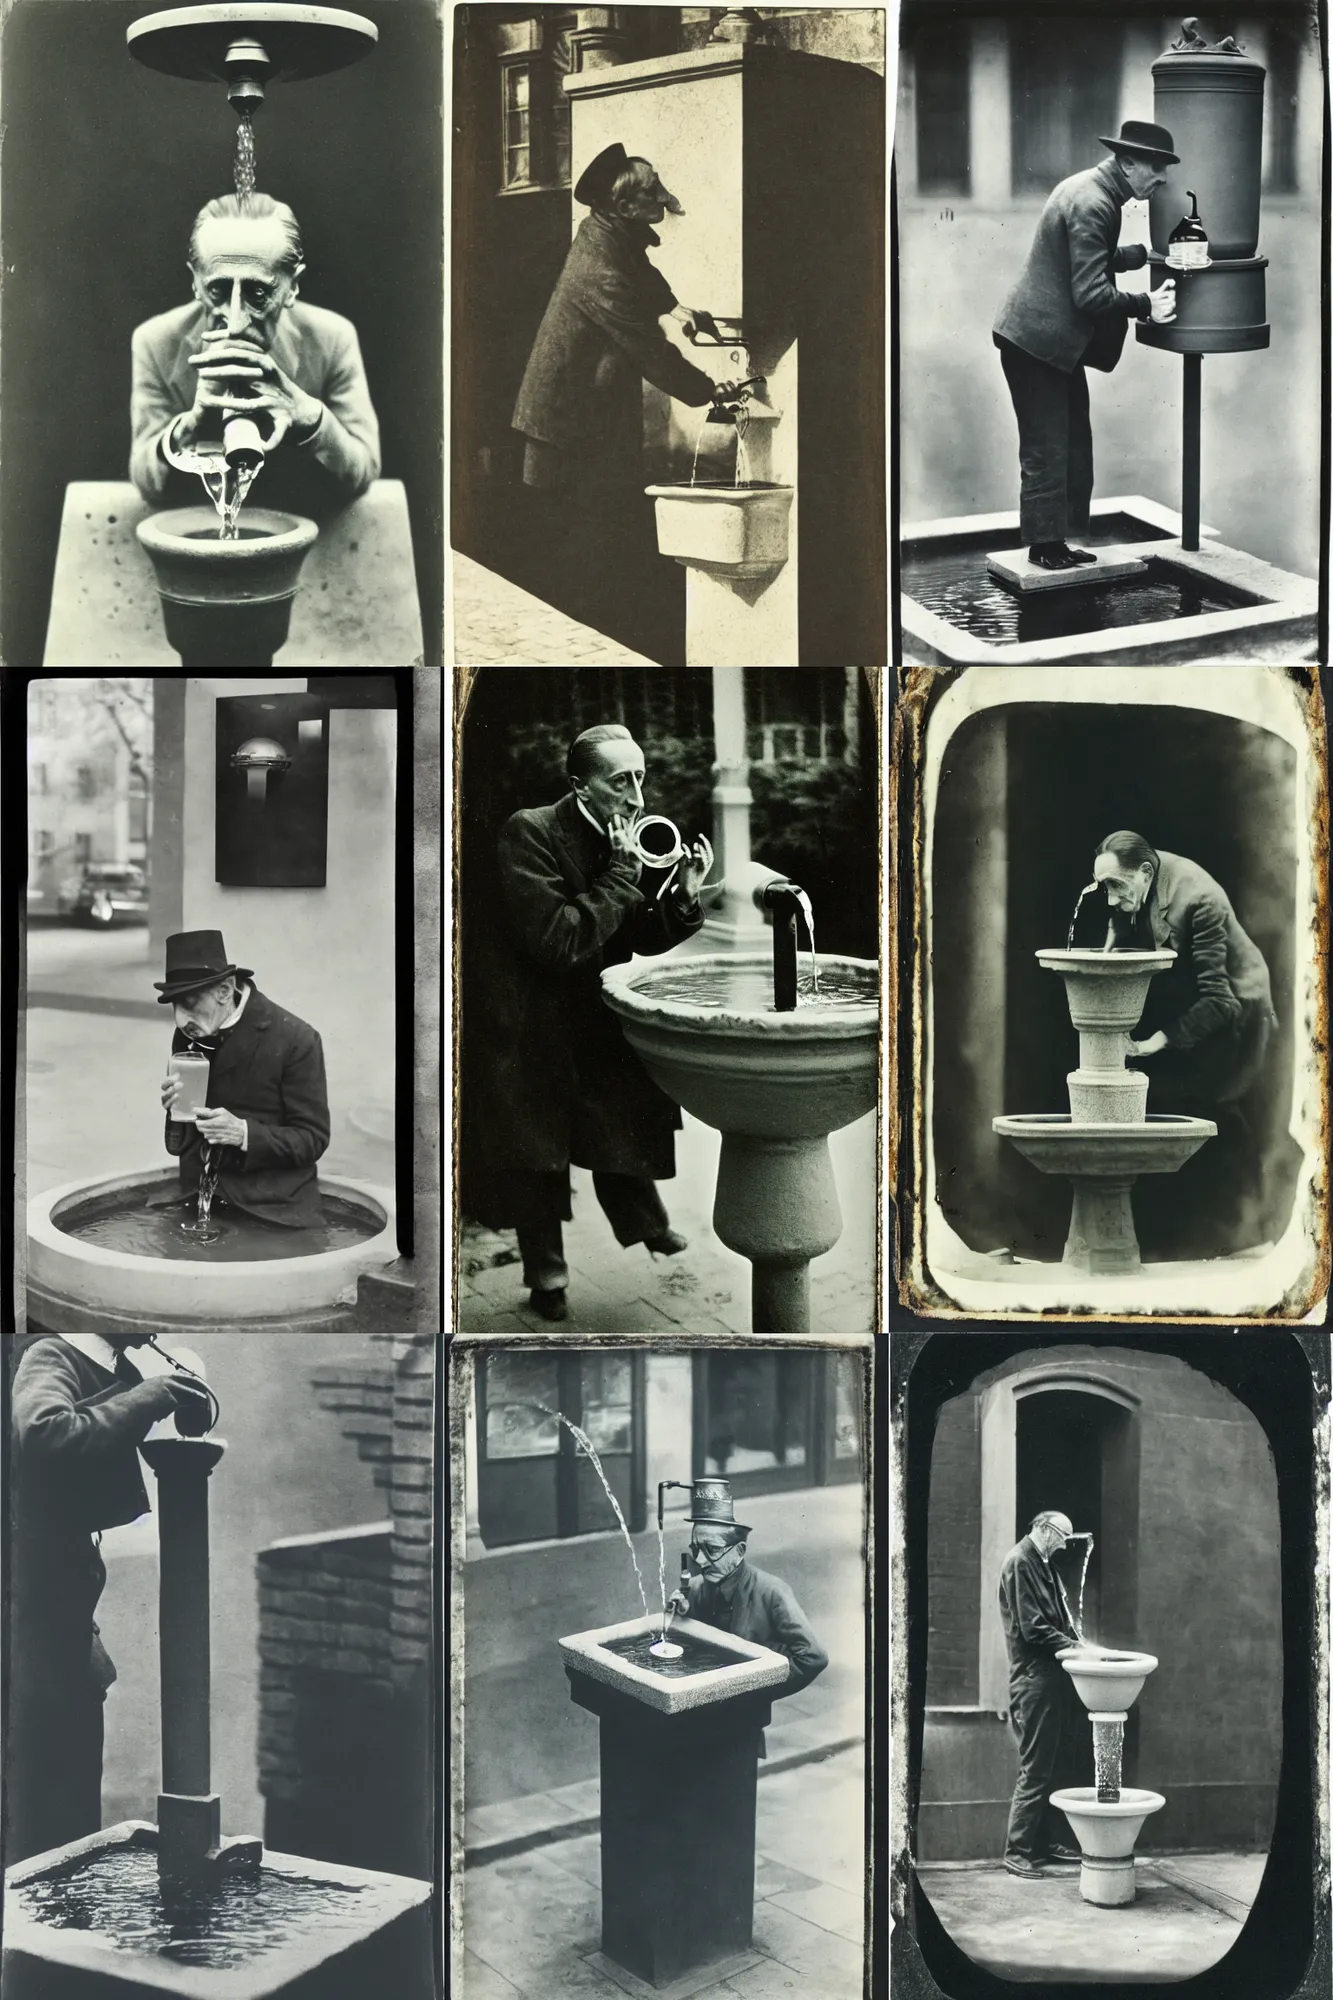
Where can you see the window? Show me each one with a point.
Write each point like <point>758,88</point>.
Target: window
<point>138,815</point>
<point>40,782</point>
<point>942,51</point>
<point>534,1483</point>
<point>516,82</point>
<point>45,842</point>
<point>1064,91</point>
<point>84,782</point>
<point>83,849</point>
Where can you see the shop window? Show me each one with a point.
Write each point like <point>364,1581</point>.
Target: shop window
<point>84,783</point>
<point>138,815</point>
<point>1064,92</point>
<point>942,52</point>
<point>533,1482</point>
<point>771,1422</point>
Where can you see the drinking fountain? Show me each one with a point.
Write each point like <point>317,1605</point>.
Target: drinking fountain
<point>1107,1138</point>
<point>724,1037</point>
<point>1107,1817</point>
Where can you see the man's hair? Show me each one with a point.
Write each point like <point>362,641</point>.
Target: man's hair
<point>251,208</point>
<point>637,176</point>
<point>1131,850</point>
<point>1047,1519</point>
<point>582,758</point>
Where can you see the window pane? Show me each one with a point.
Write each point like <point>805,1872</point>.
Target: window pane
<point>943,108</point>
<point>516,129</point>
<point>846,1407</point>
<point>1064,90</point>
<point>520,86</point>
<point>757,1412</point>
<point>606,1402</point>
<point>514,1428</point>
<point>517,165</point>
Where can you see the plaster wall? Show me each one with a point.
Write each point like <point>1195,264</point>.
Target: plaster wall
<point>325,954</point>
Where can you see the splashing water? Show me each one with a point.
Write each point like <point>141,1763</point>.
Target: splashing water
<point>227,488</point>
<point>204,1230</point>
<point>1073,921</point>
<point>1108,1740</point>
<point>585,1444</point>
<point>1081,1535</point>
<point>809,916</point>
<point>243,169</point>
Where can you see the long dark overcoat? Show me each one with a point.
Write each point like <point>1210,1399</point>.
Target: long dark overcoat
<point>74,1470</point>
<point>268,1070</point>
<point>551,1077</point>
<point>1065,307</point>
<point>598,342</point>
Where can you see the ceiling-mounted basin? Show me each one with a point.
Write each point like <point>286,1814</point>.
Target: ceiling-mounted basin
<point>296,41</point>
<point>729,530</point>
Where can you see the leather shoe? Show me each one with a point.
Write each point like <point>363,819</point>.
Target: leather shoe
<point>1018,1864</point>
<point>551,1305</point>
<point>1052,555</point>
<point>1058,1853</point>
<point>1082,555</point>
<point>669,1243</point>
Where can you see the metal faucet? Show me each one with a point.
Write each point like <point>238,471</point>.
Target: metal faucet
<point>785,900</point>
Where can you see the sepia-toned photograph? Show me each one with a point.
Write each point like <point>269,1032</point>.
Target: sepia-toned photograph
<point>1111,359</point>
<point>227,1003</point>
<point>667,339</point>
<point>662,1685</point>
<point>223,346</point>
<point>1117,1061</point>
<point>667,921</point>
<point>1079,1801</point>
<point>221,1655</point>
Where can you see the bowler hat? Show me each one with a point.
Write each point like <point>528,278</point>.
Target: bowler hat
<point>711,1505</point>
<point>195,959</point>
<point>1144,141</point>
<point>598,178</point>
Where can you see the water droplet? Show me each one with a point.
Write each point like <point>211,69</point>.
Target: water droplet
<point>111,520</point>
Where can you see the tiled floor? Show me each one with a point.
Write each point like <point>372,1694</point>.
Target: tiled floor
<point>497,624</point>
<point>533,1923</point>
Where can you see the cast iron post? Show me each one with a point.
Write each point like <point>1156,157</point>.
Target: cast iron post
<point>1190,453</point>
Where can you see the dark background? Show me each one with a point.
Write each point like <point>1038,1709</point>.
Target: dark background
<point>1219,791</point>
<point>106,164</point>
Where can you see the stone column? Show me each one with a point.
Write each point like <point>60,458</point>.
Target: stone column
<point>736,923</point>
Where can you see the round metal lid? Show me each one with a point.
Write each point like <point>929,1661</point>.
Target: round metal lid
<point>299,41</point>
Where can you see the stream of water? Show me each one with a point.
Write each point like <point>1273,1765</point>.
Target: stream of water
<point>243,167</point>
<point>1108,1740</point>
<point>585,1444</point>
<point>1073,921</point>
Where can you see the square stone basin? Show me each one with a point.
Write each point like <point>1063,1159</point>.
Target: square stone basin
<point>733,530</point>
<point>716,1665</point>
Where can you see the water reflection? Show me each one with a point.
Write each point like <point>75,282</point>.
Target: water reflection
<point>955,585</point>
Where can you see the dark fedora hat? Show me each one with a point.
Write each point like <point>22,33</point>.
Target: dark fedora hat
<point>598,178</point>
<point>1145,142</point>
<point>195,959</point>
<point>711,1505</point>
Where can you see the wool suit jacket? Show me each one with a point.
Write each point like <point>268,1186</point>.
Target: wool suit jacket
<point>269,1070</point>
<point>1219,970</point>
<point>74,1471</point>
<point>1065,308</point>
<point>1034,1611</point>
<point>762,1609</point>
<point>598,342</point>
<point>318,349</point>
<point>552,1078</point>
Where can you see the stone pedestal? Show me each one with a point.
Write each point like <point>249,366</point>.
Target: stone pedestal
<point>777,1204</point>
<point>678,1816</point>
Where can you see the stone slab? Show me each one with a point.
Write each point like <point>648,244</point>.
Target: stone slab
<point>1012,568</point>
<point>701,1980</point>
<point>356,607</point>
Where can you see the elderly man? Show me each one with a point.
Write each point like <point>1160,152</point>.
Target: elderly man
<point>1205,1033</point>
<point>1065,314</point>
<point>730,1593</point>
<point>580,406</point>
<point>266,1120</point>
<point>1044,1712</point>
<point>246,343</point>
<point>552,1080</point>
<point>79,1410</point>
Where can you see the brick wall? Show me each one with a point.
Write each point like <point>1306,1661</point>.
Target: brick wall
<point>346,1621</point>
<point>955,1554</point>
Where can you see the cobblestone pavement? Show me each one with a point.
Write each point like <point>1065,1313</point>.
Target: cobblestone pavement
<point>497,624</point>
<point>704,1290</point>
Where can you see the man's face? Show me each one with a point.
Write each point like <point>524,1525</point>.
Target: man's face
<point>1143,177</point>
<point>1055,1536</point>
<point>716,1558</point>
<point>200,1013</point>
<point>239,280</point>
<point>1126,888</point>
<point>650,201</point>
<point>616,786</point>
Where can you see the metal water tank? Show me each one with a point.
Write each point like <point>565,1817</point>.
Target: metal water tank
<point>1212,104</point>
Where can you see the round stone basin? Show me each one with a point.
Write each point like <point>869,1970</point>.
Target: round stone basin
<point>226,602</point>
<point>1111,1684</point>
<point>1108,1831</point>
<point>94,1247</point>
<point>1056,1144</point>
<point>1106,989</point>
<point>708,1033</point>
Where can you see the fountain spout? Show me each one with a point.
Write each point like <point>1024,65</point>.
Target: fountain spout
<point>662,1485</point>
<point>785,900</point>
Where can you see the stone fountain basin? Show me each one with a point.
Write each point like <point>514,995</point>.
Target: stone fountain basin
<point>750,1667</point>
<point>380,1942</point>
<point>1057,1144</point>
<point>736,530</point>
<point>743,1068</point>
<point>1108,1684</point>
<point>96,1287</point>
<point>1106,989</point>
<point>1107,1831</point>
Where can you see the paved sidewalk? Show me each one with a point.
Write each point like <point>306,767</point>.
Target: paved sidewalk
<point>1187,1913</point>
<point>532,1924</point>
<point>497,624</point>
<point>707,1288</point>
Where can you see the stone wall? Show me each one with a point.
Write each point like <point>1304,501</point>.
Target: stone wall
<point>346,1658</point>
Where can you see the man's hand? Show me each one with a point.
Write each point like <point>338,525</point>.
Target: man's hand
<point>678,1602</point>
<point>694,870</point>
<point>1149,1048</point>
<point>1162,303</point>
<point>240,378</point>
<point>694,321</point>
<point>171,1090</point>
<point>220,1128</point>
<point>620,833</point>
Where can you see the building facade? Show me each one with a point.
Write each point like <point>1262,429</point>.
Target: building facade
<point>89,782</point>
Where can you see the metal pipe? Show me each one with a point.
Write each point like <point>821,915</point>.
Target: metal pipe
<point>1190,452</point>
<point>784,900</point>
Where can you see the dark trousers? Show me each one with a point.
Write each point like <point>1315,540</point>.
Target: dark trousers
<point>1043,1726</point>
<point>601,565</point>
<point>1054,445</point>
<point>631,1205</point>
<point>53,1775</point>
